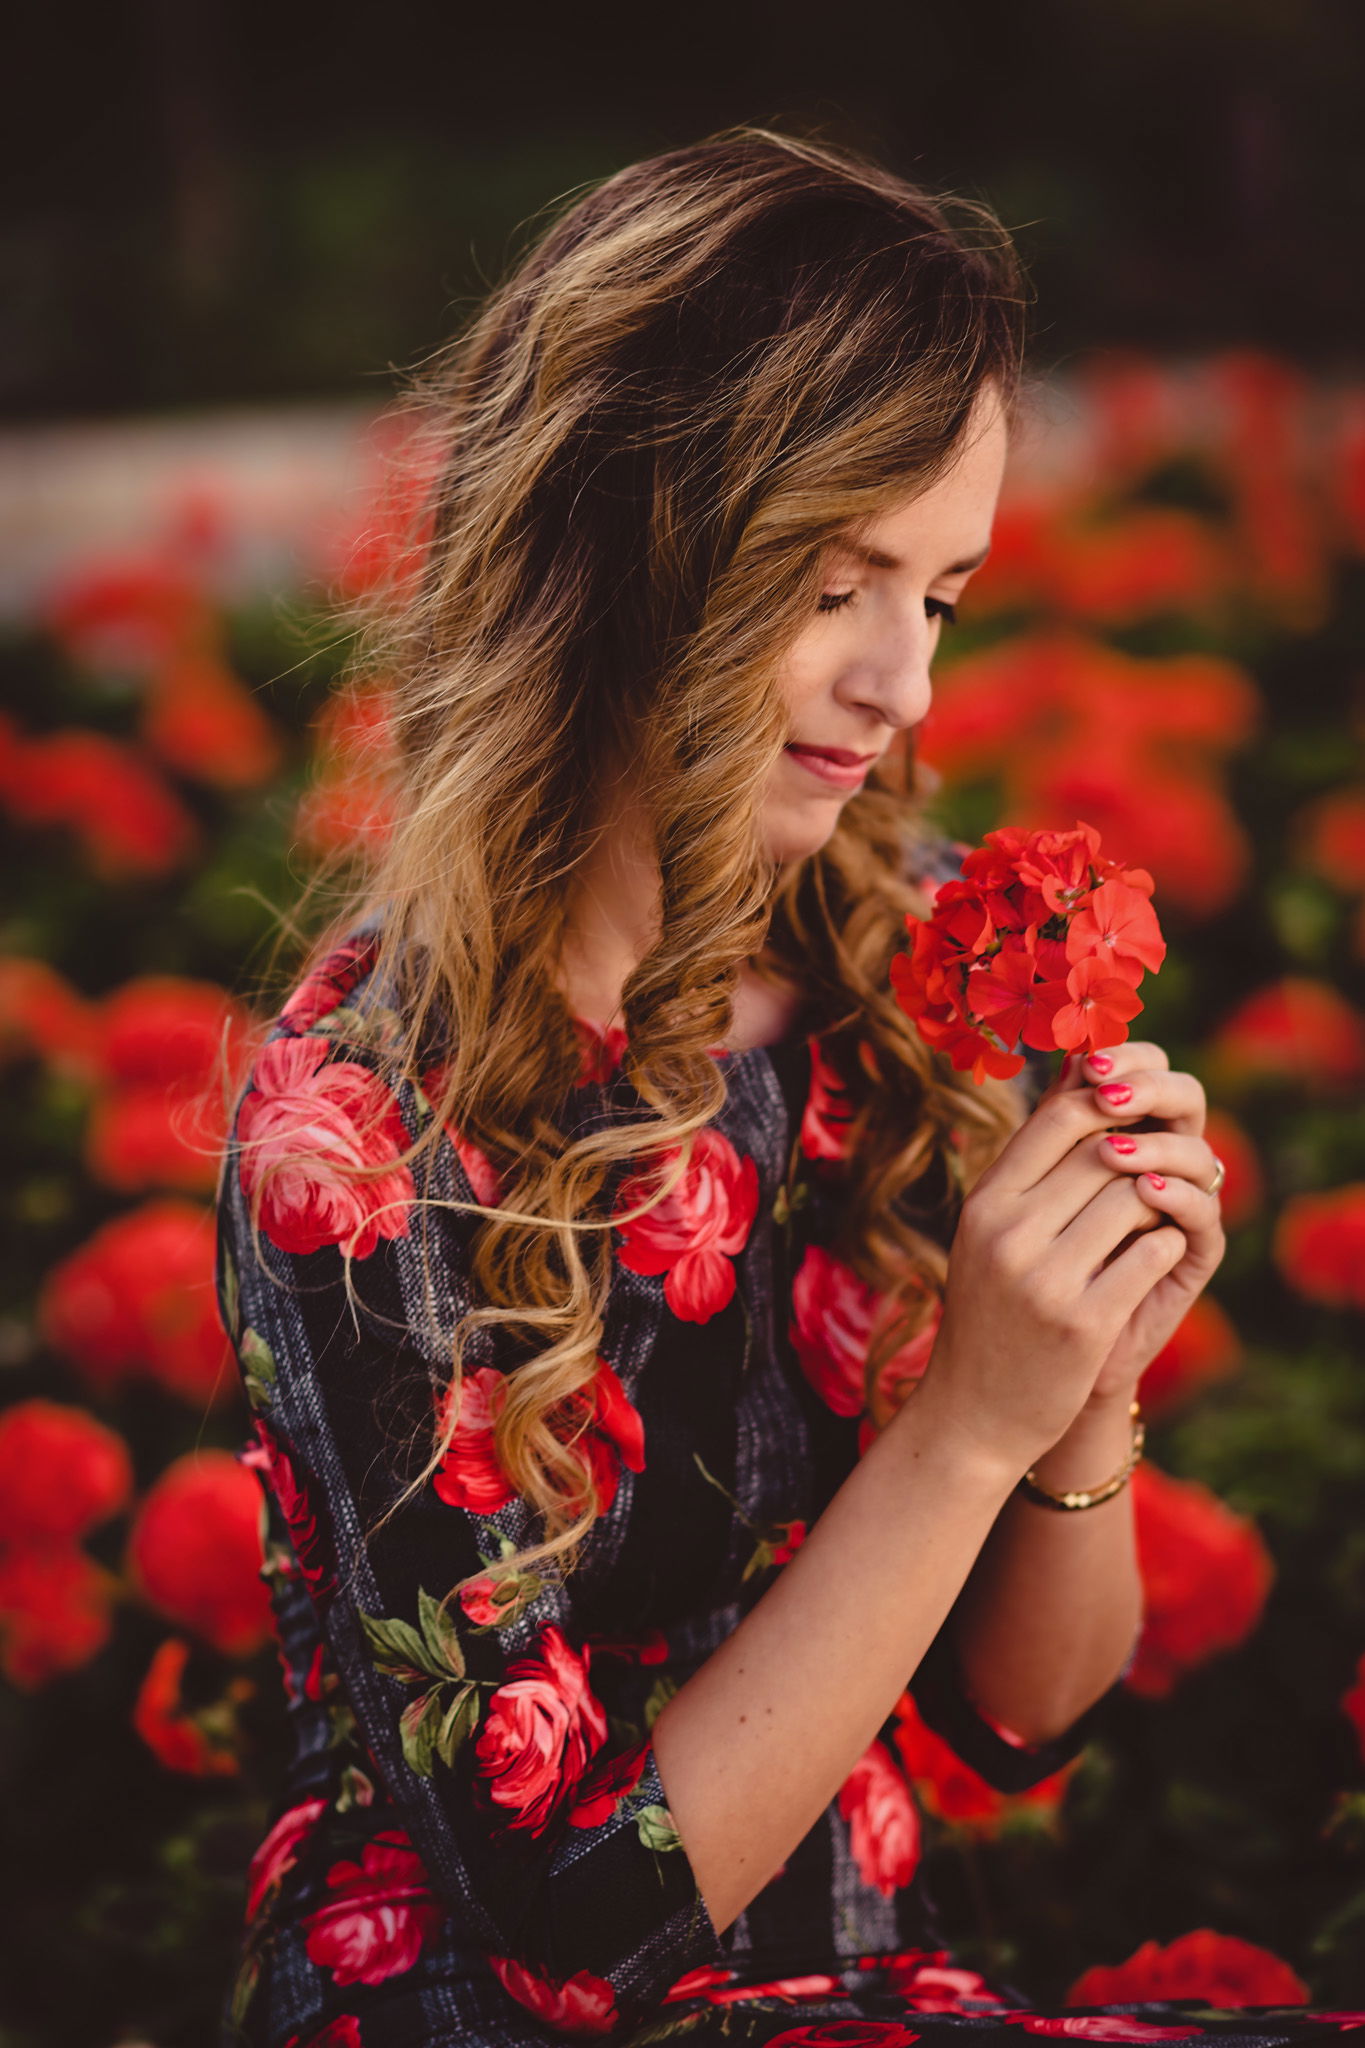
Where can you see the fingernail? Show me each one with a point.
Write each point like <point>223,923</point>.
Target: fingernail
<point>1115,1091</point>
<point>1158,1180</point>
<point>1101,1062</point>
<point>1121,1144</point>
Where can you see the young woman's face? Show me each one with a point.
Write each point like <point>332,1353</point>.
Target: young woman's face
<point>859,673</point>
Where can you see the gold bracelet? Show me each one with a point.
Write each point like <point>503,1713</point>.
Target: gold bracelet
<point>1092,1495</point>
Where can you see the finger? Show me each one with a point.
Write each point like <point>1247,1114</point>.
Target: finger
<point>1198,1214</point>
<point>1117,1062</point>
<point>1164,1152</point>
<point>1173,1098</point>
<point>1114,1212</point>
<point>1061,1121</point>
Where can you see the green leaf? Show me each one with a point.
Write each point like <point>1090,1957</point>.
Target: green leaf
<point>258,1364</point>
<point>661,1693</point>
<point>457,1723</point>
<point>781,1208</point>
<point>232,1298</point>
<point>397,1649</point>
<point>419,1724</point>
<point>656,1829</point>
<point>439,1633</point>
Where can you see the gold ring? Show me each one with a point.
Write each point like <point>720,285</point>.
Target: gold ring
<point>1218,1178</point>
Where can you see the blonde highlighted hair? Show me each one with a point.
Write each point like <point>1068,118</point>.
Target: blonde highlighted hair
<point>706,368</point>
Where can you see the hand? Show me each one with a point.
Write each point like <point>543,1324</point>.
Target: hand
<point>1057,1253</point>
<point>1176,1149</point>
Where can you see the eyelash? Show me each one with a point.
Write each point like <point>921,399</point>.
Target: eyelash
<point>936,607</point>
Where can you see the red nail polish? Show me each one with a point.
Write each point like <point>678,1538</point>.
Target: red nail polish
<point>1115,1091</point>
<point>1101,1062</point>
<point>1065,1067</point>
<point>1158,1180</point>
<point>1121,1144</point>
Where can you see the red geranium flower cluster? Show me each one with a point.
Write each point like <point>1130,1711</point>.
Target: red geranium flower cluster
<point>1042,939</point>
<point>1206,1573</point>
<point>199,1742</point>
<point>195,1551</point>
<point>125,818</point>
<point>1219,1968</point>
<point>1319,1245</point>
<point>61,1472</point>
<point>1294,1030</point>
<point>170,1055</point>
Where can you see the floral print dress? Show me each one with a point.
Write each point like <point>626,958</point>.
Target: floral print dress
<point>473,1845</point>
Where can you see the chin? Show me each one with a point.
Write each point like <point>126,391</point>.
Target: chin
<point>792,835</point>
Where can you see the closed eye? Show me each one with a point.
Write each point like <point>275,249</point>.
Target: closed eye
<point>934,607</point>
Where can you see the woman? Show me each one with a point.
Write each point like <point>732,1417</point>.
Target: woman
<point>585,1228</point>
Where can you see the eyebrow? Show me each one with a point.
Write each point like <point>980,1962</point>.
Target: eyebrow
<point>875,559</point>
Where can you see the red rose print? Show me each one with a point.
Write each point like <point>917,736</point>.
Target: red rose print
<point>308,1122</point>
<point>542,1726</point>
<point>1219,1968</point>
<point>614,1434</point>
<point>484,1179</point>
<point>846,2034</point>
<point>929,1982</point>
<point>824,1126</point>
<point>584,2004</point>
<point>600,1052</point>
<point>61,1471</point>
<point>834,1318</point>
<point>342,2032</point>
<point>883,1823</point>
<point>819,1985</point>
<point>1099,2026</point>
<point>176,1737</point>
<point>279,1852</point>
<point>693,1233</point>
<point>602,1789</point>
<point>1206,1574</point>
<point>469,1476</point>
<point>950,1788</point>
<point>380,1913</point>
<point>326,988</point>
<point>268,1456</point>
<point>698,1983</point>
<point>195,1550</point>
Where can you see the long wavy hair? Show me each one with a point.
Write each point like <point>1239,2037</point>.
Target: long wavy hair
<point>707,367</point>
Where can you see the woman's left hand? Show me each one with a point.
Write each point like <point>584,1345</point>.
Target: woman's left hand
<point>1178,1152</point>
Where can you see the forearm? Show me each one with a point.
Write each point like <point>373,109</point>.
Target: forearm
<point>1050,1611</point>
<point>755,1745</point>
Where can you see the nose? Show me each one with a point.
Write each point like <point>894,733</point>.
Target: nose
<point>892,677</point>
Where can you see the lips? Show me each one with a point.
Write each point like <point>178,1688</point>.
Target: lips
<point>835,767</point>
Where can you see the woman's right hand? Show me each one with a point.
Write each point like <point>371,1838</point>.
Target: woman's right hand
<point>1037,1289</point>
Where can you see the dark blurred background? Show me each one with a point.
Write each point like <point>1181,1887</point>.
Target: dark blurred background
<point>226,199</point>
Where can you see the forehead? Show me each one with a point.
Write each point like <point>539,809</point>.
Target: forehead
<point>951,519</point>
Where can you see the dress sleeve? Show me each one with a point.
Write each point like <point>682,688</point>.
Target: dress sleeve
<point>541,1821</point>
<point>1007,1763</point>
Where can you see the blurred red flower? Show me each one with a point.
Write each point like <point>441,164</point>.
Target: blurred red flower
<point>1219,1968</point>
<point>203,722</point>
<point>195,1551</point>
<point>1265,452</point>
<point>41,1014</point>
<point>1243,1192</point>
<point>1353,1705</point>
<point>61,1471</point>
<point>55,1607</point>
<point>128,614</point>
<point>348,807</point>
<point>137,1301</point>
<point>126,818</point>
<point>1206,1573</point>
<point>1328,837</point>
<point>1319,1245</point>
<point>952,1789</point>
<point>173,1053</point>
<point>200,1745</point>
<point>1294,1029</point>
<point>1205,1348</point>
